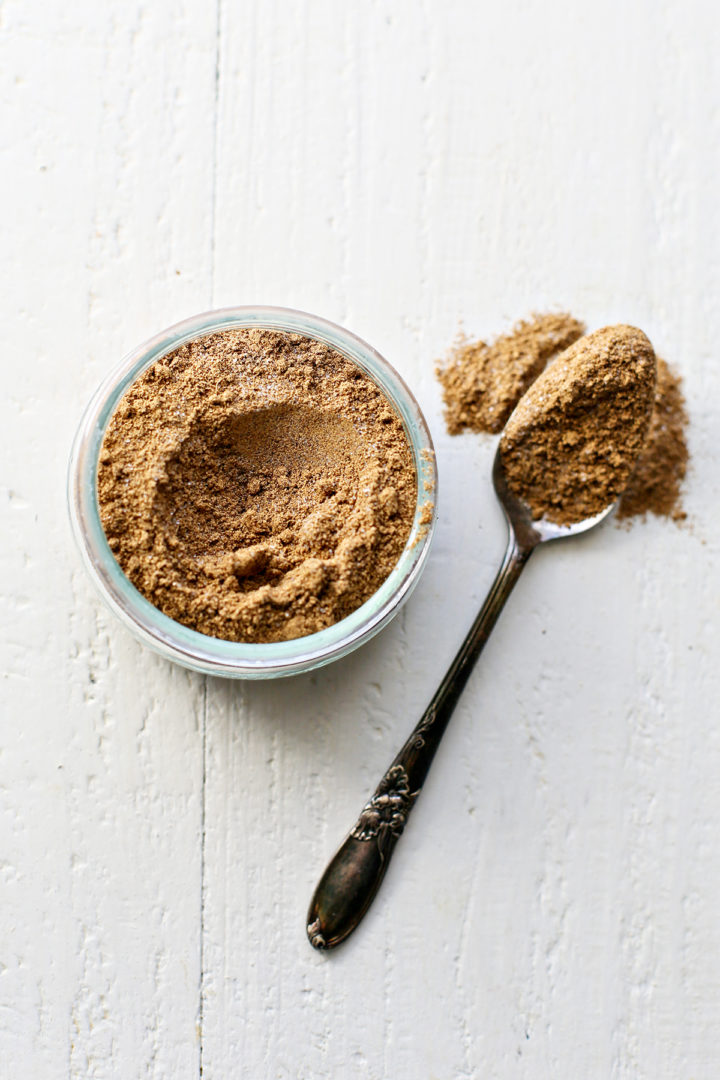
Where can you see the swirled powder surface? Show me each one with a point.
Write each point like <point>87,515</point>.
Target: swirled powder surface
<point>256,485</point>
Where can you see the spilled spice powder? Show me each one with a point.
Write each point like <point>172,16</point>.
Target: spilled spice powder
<point>256,485</point>
<point>573,440</point>
<point>482,383</point>
<point>655,484</point>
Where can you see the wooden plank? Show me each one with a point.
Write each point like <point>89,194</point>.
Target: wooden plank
<point>108,170</point>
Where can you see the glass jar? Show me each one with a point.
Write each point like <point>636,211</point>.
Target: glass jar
<point>199,651</point>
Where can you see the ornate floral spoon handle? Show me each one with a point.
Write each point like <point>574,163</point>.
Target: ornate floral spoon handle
<point>353,877</point>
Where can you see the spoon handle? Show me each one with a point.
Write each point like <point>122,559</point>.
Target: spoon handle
<point>353,876</point>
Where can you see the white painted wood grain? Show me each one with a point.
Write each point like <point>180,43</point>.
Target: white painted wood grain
<point>108,182</point>
<point>397,167</point>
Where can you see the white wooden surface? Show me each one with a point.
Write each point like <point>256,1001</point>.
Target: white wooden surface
<point>396,167</point>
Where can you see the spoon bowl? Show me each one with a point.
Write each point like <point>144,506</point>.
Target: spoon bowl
<point>529,531</point>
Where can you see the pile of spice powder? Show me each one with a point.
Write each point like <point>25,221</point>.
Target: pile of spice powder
<point>256,485</point>
<point>574,438</point>
<point>656,482</point>
<point>482,383</point>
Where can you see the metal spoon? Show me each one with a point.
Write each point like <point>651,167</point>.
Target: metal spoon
<point>353,876</point>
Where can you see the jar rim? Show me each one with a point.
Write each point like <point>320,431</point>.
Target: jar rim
<point>179,642</point>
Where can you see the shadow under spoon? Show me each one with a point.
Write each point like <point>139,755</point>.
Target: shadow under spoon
<point>354,874</point>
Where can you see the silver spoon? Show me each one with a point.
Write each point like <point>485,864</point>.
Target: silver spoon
<point>353,876</point>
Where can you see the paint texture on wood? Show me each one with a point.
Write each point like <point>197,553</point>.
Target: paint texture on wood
<point>398,168</point>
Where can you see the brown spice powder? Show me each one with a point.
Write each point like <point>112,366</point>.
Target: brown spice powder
<point>573,440</point>
<point>482,383</point>
<point>655,484</point>
<point>256,485</point>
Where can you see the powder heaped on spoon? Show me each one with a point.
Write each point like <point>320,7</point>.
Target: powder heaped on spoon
<point>572,442</point>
